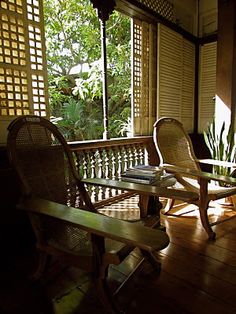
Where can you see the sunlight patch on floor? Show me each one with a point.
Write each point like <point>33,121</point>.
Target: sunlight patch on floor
<point>126,209</point>
<point>216,211</point>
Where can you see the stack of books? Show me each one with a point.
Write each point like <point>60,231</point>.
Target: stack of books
<point>145,174</point>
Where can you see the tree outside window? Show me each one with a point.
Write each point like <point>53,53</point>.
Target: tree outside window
<point>72,34</point>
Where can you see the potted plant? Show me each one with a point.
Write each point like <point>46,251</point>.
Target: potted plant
<point>221,144</point>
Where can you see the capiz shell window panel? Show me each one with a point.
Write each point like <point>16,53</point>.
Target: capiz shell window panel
<point>23,78</point>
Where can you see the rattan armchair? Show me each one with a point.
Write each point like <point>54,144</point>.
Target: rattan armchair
<point>64,220</point>
<point>176,153</point>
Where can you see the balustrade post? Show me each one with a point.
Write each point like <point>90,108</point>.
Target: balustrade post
<point>104,159</point>
<point>119,162</point>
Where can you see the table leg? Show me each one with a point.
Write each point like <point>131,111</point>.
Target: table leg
<point>149,205</point>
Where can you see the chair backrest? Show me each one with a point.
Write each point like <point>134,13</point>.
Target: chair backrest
<point>173,144</point>
<point>44,163</point>
<point>45,166</point>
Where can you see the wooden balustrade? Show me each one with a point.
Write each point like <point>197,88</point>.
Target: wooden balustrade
<point>109,158</point>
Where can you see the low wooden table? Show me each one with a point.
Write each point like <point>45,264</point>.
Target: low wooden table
<point>150,204</point>
<point>148,194</point>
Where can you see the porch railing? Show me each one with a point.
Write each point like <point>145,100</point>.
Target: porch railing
<point>109,158</point>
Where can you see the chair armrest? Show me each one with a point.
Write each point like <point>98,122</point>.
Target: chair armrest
<point>144,189</point>
<point>131,234</point>
<point>199,174</point>
<point>217,163</point>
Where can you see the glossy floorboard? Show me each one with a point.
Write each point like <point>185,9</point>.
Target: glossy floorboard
<point>197,275</point>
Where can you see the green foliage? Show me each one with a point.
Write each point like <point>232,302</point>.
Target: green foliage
<point>78,121</point>
<point>123,126</point>
<point>221,145</point>
<point>118,52</point>
<point>89,88</point>
<point>72,32</point>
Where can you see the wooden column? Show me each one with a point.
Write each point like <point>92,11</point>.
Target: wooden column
<point>226,60</point>
<point>104,10</point>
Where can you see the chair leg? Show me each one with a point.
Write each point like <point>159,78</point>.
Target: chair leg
<point>151,258</point>
<point>42,261</point>
<point>203,206</point>
<point>146,256</point>
<point>169,206</point>
<point>205,222</point>
<point>100,275</point>
<point>104,294</point>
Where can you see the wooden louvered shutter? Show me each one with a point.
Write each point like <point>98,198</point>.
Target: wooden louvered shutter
<point>176,79</point>
<point>23,77</point>
<point>207,84</point>
<point>188,86</point>
<point>143,77</point>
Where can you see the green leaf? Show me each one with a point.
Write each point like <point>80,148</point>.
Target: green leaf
<point>221,145</point>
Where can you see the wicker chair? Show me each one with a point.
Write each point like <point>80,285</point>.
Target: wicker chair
<point>177,155</point>
<point>74,233</point>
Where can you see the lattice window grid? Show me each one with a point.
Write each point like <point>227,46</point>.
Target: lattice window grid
<point>12,5</point>
<point>145,70</point>
<point>162,7</point>
<point>22,59</point>
<point>137,65</point>
<point>144,77</point>
<point>13,92</point>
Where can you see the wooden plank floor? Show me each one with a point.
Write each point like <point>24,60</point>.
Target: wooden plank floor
<point>197,275</point>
